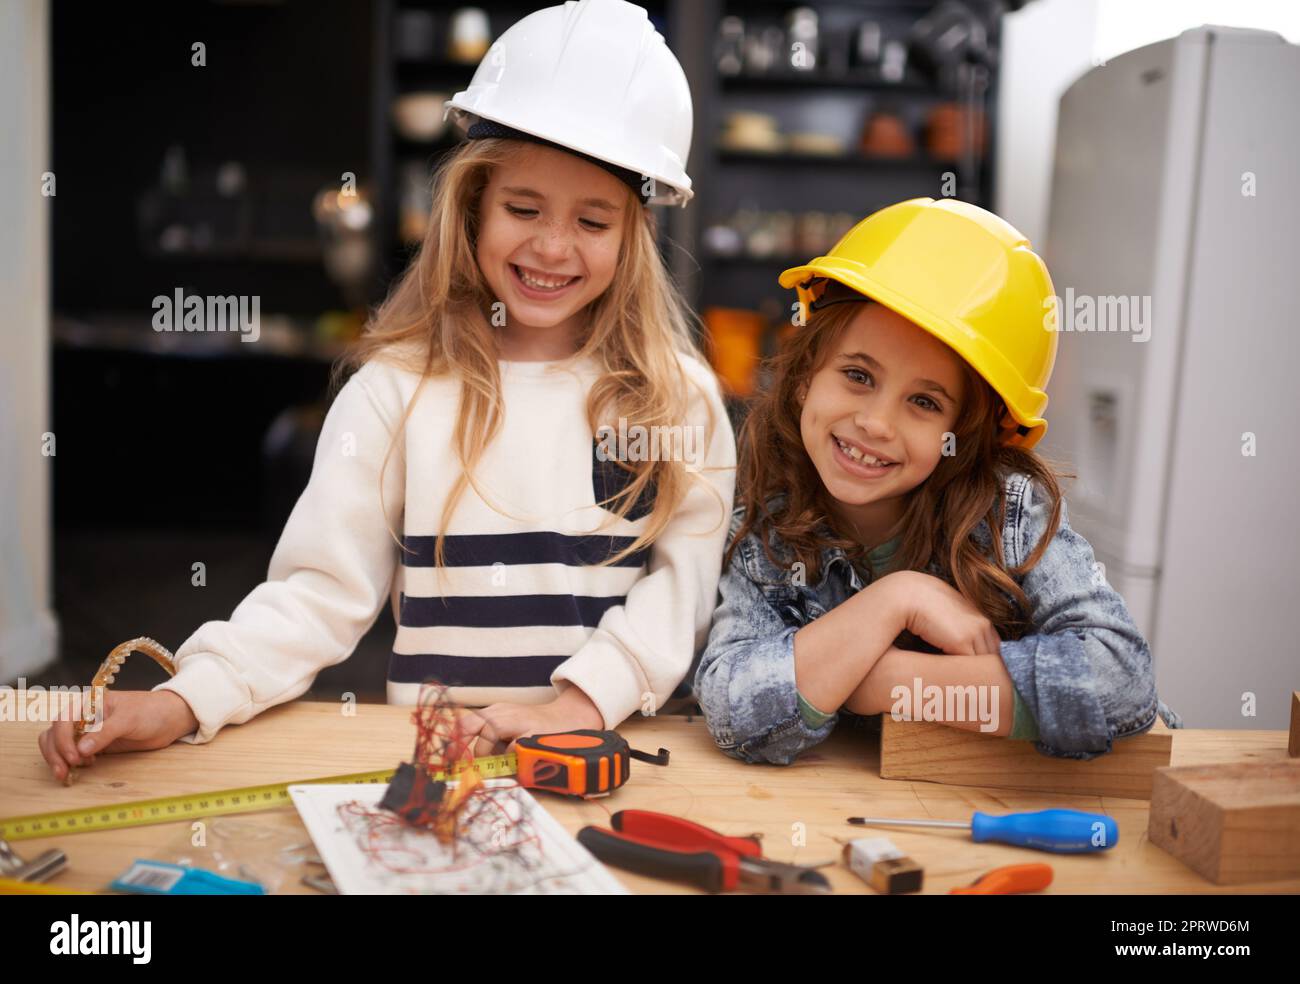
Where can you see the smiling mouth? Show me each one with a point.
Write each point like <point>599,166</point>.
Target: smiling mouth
<point>859,465</point>
<point>542,283</point>
<point>859,456</point>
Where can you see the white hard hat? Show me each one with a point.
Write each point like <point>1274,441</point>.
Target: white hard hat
<point>595,77</point>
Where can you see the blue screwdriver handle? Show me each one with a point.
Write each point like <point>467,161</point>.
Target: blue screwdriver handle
<point>1058,831</point>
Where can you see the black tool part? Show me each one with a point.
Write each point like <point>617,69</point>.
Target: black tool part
<point>660,759</point>
<point>702,869</point>
<point>412,795</point>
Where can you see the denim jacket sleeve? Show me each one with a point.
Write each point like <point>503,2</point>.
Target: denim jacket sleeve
<point>1086,673</point>
<point>745,681</point>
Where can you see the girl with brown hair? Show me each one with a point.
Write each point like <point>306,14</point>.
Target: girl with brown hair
<point>898,547</point>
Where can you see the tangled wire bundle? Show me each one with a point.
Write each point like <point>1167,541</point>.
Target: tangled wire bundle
<point>469,811</point>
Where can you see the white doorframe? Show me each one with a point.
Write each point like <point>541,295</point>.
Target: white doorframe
<point>28,630</point>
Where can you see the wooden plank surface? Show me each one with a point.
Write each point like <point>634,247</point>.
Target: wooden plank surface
<point>931,752</point>
<point>800,810</point>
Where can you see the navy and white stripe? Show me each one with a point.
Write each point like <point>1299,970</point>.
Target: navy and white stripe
<point>505,609</point>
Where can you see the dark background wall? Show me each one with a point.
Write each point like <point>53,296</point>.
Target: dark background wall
<point>285,92</point>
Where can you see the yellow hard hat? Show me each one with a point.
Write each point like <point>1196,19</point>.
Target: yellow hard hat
<point>967,277</point>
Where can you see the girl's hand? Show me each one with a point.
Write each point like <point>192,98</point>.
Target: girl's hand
<point>481,735</point>
<point>938,613</point>
<point>571,711</point>
<point>134,721</point>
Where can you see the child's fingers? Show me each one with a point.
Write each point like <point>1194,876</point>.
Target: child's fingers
<point>61,739</point>
<point>985,638</point>
<point>117,722</point>
<point>487,743</point>
<point>485,735</point>
<point>502,721</point>
<point>126,745</point>
<point>51,755</point>
<point>473,722</point>
<point>469,722</point>
<point>489,732</point>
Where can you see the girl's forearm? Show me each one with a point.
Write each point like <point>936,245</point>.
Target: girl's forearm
<point>900,680</point>
<point>834,653</point>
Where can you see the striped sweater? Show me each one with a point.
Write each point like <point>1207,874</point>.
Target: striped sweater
<point>518,611</point>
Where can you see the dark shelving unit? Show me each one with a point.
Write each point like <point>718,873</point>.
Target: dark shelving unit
<point>911,161</point>
<point>855,80</point>
<point>837,97</point>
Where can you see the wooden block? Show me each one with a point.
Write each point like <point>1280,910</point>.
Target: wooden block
<point>937,753</point>
<point>1293,743</point>
<point>1232,823</point>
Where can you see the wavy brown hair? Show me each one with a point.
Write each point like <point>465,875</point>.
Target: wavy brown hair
<point>940,514</point>
<point>436,322</point>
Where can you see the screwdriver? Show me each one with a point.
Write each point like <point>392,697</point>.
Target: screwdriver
<point>1059,831</point>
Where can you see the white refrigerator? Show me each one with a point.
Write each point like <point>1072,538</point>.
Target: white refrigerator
<point>1174,245</point>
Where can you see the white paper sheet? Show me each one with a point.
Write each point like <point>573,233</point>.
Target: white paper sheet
<point>377,856</point>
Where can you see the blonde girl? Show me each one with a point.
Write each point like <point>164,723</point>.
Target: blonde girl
<point>473,467</point>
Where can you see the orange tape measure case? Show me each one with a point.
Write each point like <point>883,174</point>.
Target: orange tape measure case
<point>578,763</point>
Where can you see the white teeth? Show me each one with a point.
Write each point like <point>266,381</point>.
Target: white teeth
<point>857,455</point>
<point>540,283</point>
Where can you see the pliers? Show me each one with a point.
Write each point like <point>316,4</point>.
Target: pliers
<point>664,846</point>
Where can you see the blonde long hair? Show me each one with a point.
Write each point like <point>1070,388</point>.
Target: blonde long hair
<point>435,322</point>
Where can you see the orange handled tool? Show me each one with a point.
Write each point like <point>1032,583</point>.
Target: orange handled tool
<point>1010,880</point>
<point>582,763</point>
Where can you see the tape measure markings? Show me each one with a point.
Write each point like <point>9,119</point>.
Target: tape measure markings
<point>185,806</point>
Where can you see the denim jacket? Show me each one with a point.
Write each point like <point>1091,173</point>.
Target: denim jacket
<point>1085,674</point>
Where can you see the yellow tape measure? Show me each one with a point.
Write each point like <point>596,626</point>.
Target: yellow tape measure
<point>186,806</point>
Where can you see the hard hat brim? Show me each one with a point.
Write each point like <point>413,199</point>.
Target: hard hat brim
<point>679,192</point>
<point>973,349</point>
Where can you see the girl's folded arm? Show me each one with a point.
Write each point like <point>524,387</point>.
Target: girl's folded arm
<point>643,648</point>
<point>1086,674</point>
<point>756,668</point>
<point>833,654</point>
<point>983,699</point>
<point>745,682</point>
<point>328,579</point>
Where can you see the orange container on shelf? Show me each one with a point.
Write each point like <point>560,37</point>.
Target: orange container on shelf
<point>735,339</point>
<point>886,135</point>
<point>946,131</point>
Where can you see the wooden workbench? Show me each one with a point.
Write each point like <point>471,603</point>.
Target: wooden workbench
<point>800,809</point>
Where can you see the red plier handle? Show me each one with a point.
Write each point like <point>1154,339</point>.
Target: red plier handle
<point>681,833</point>
<point>664,846</point>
